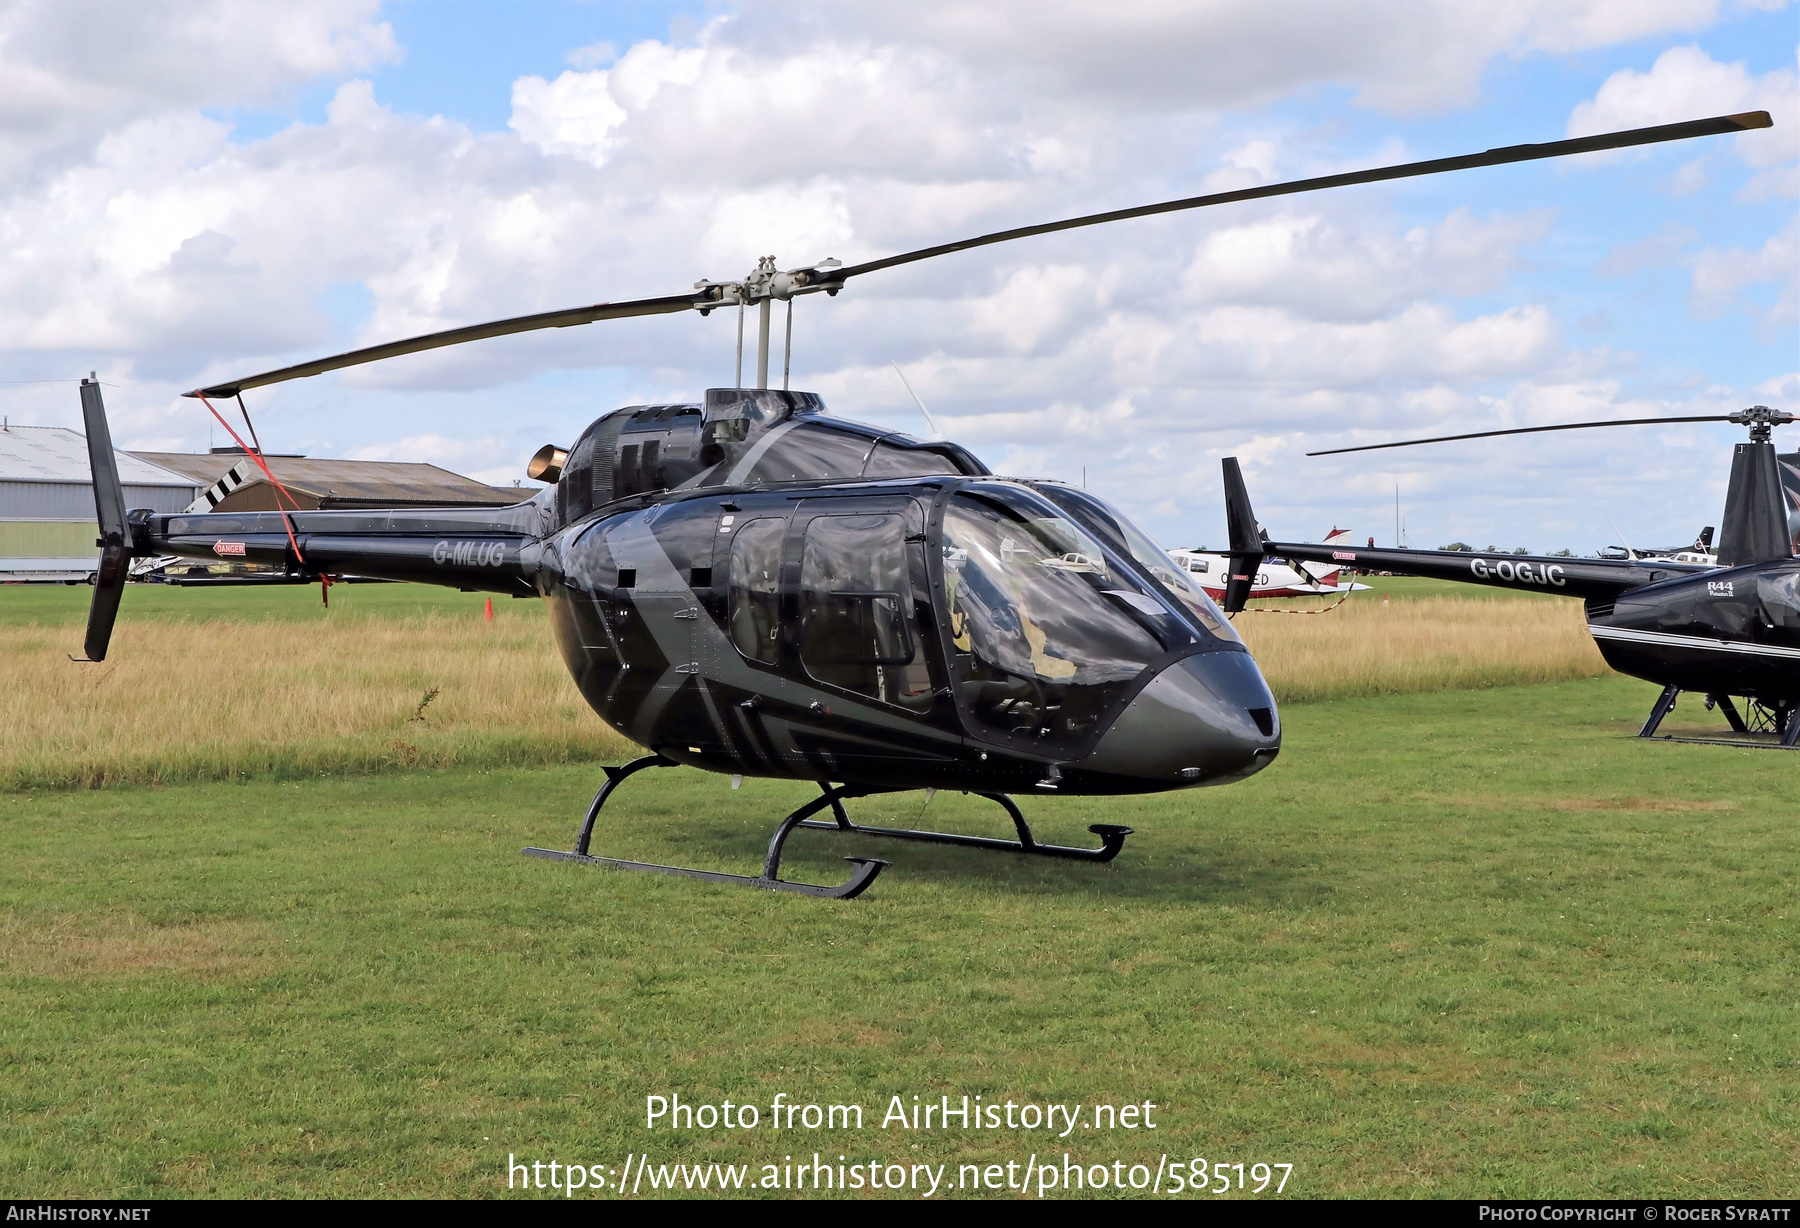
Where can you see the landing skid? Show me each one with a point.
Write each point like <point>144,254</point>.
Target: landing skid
<point>865,869</point>
<point>864,872</point>
<point>1112,837</point>
<point>1782,722</point>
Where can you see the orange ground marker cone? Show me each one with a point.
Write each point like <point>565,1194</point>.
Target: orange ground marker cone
<point>490,610</point>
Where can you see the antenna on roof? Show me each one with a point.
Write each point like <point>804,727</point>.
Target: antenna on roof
<point>929,420</point>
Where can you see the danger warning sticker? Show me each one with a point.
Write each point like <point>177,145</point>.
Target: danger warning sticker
<point>223,548</point>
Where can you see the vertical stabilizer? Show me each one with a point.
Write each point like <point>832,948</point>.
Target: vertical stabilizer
<point>1246,538</point>
<point>1755,528</point>
<point>1789,465</point>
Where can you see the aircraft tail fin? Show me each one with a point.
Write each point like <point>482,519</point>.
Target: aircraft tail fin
<point>1755,528</point>
<point>1247,538</point>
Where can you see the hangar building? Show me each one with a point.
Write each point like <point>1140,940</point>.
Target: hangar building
<point>47,524</point>
<point>332,485</point>
<point>47,521</point>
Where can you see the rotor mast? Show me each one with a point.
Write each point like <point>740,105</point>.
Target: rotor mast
<point>762,287</point>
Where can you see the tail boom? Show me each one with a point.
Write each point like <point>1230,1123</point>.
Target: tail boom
<point>481,551</point>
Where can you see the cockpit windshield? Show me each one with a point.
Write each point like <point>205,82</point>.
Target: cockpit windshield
<point>1126,536</point>
<point>1046,632</point>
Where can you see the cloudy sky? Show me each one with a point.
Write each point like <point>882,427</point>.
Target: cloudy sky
<point>196,190</point>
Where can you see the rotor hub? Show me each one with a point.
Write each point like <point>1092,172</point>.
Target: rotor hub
<point>1761,420</point>
<point>766,282</point>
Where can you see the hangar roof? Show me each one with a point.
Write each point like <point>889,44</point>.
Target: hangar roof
<point>348,483</point>
<point>57,454</point>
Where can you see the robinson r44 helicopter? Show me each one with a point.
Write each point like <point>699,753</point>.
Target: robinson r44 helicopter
<point>749,586</point>
<point>1721,625</point>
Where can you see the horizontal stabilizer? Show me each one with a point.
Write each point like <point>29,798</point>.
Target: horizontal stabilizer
<point>215,494</point>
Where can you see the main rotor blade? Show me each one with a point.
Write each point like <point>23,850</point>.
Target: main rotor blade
<point>456,336</point>
<point>1493,157</point>
<point>1522,430</point>
<point>821,279</point>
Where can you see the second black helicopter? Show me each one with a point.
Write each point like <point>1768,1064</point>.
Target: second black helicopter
<point>1726,630</point>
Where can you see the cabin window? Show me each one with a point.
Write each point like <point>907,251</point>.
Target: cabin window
<point>889,461</point>
<point>856,609</point>
<point>1147,554</point>
<point>808,452</point>
<point>1045,634</point>
<point>755,596</point>
<point>1779,589</point>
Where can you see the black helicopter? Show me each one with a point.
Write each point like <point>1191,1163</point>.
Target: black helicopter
<point>1720,630</point>
<point>753,587</point>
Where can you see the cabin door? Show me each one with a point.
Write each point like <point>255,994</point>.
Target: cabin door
<point>853,577</point>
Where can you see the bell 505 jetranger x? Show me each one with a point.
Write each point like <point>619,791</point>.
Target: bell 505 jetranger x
<point>750,586</point>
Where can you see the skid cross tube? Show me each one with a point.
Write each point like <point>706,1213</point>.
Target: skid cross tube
<point>863,873</point>
<point>615,776</point>
<point>1112,836</point>
<point>1731,714</point>
<point>1783,723</point>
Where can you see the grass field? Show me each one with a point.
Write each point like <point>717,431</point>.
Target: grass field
<point>223,683</point>
<point>1460,943</point>
<point>1453,943</point>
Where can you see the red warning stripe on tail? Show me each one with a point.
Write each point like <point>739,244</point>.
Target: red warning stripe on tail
<point>256,455</point>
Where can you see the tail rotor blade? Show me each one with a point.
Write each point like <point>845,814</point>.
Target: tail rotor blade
<point>1300,568</point>
<point>109,590</point>
<point>115,530</point>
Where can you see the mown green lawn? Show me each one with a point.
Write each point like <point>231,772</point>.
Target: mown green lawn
<point>1454,944</point>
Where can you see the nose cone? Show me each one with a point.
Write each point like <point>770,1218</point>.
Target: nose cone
<point>1204,720</point>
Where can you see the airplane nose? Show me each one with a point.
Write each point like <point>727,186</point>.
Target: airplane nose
<point>1207,720</point>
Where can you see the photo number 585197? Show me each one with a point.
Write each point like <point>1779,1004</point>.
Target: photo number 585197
<point>1223,1177</point>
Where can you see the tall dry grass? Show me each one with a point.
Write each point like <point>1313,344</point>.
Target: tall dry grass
<point>1418,644</point>
<point>215,700</point>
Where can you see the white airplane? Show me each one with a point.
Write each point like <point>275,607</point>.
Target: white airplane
<point>1702,551</point>
<point>1275,578</point>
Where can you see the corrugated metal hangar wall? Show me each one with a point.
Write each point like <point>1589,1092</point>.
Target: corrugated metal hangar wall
<point>47,525</point>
